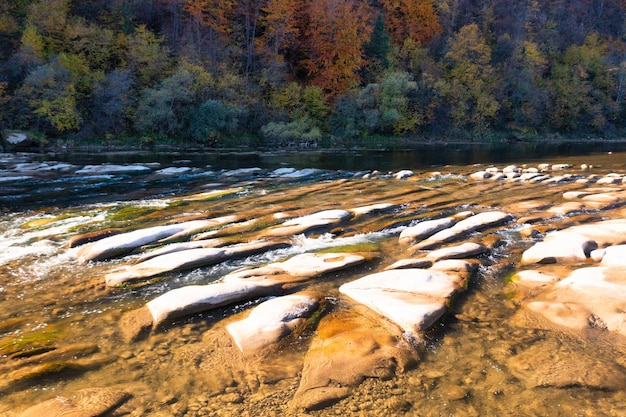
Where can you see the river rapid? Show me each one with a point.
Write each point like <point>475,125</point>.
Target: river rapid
<point>61,326</point>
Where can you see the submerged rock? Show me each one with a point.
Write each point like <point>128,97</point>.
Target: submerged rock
<point>349,347</point>
<point>554,365</point>
<point>88,402</point>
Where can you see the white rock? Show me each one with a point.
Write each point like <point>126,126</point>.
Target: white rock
<point>123,243</point>
<point>173,170</point>
<point>110,168</point>
<point>186,259</point>
<point>404,174</point>
<point>283,171</point>
<point>412,298</point>
<point>307,172</point>
<point>196,298</point>
<point>373,208</point>
<point>311,221</point>
<point>425,229</point>
<point>559,247</point>
<point>614,256</point>
<point>241,171</point>
<point>480,175</point>
<point>478,222</point>
<point>182,260</point>
<point>272,320</point>
<point>464,250</point>
<point>560,167</point>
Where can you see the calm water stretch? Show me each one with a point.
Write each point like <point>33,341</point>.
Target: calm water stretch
<point>65,333</point>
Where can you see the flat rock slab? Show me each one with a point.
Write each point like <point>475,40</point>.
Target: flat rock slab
<point>373,209</point>
<point>412,298</point>
<point>614,256</point>
<point>464,250</point>
<point>89,402</point>
<point>560,247</point>
<point>587,298</point>
<point>187,259</point>
<point>112,169</point>
<point>313,221</point>
<point>197,298</point>
<point>247,284</point>
<point>123,243</point>
<point>474,223</point>
<point>180,246</point>
<point>575,244</point>
<point>425,229</point>
<point>302,266</point>
<point>272,320</point>
<point>348,348</point>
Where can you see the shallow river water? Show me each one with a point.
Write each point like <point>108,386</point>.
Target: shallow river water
<point>50,302</point>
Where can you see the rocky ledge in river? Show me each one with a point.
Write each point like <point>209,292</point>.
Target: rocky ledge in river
<point>570,276</point>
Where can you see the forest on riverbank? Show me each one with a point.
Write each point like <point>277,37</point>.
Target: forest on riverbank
<point>310,73</point>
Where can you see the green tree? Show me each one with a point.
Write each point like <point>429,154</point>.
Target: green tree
<point>582,88</point>
<point>145,56</point>
<point>470,83</point>
<point>50,93</point>
<point>214,120</point>
<point>377,50</point>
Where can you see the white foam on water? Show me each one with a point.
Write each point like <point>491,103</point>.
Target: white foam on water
<point>19,241</point>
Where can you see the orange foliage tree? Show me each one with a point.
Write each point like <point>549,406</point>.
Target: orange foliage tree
<point>335,35</point>
<point>411,19</point>
<point>281,30</point>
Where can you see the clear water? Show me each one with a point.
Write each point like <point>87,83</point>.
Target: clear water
<point>49,301</point>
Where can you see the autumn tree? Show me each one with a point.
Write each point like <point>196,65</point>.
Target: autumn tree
<point>470,83</point>
<point>336,34</point>
<point>280,32</point>
<point>411,19</point>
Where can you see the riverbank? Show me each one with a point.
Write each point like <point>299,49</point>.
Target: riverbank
<point>26,141</point>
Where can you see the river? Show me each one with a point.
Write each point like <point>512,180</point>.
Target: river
<point>52,302</point>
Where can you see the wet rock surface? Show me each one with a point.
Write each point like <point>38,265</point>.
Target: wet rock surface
<point>371,294</point>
